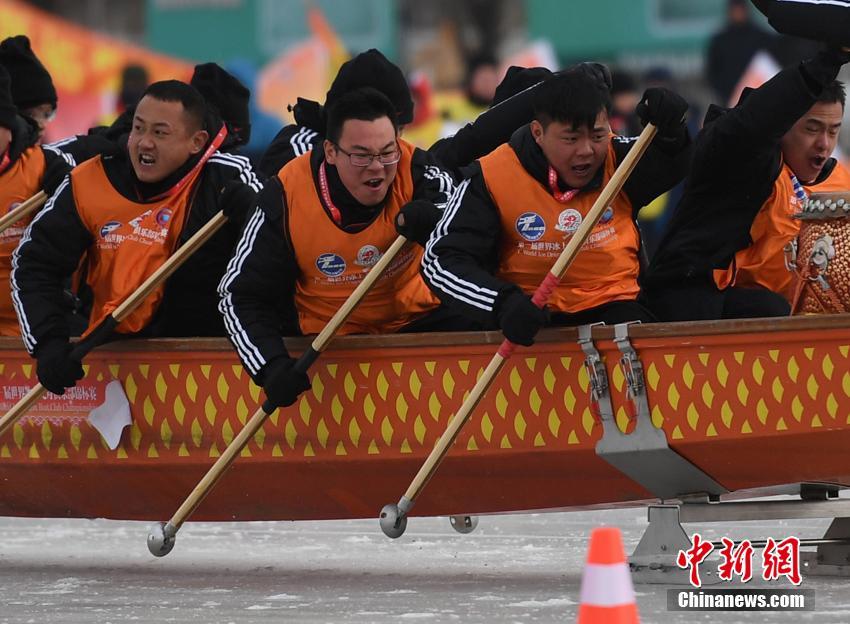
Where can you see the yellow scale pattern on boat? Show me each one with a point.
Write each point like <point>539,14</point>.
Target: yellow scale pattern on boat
<point>390,407</point>
<point>193,410</point>
<point>760,390</point>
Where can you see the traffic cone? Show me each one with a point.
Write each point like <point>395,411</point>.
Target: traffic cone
<point>607,595</point>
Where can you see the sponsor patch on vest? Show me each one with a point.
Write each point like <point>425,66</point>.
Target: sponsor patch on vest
<point>138,220</point>
<point>330,264</point>
<point>530,226</point>
<point>108,227</point>
<point>569,220</point>
<point>14,231</point>
<point>163,216</point>
<point>367,255</point>
<point>607,215</point>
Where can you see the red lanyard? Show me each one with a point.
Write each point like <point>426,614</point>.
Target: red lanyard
<point>214,145</point>
<point>4,161</point>
<point>561,196</point>
<point>326,195</point>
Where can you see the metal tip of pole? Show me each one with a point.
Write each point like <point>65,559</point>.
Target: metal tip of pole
<point>393,522</point>
<point>161,538</point>
<point>464,524</point>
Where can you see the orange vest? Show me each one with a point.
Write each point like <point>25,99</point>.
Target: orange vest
<point>763,262</point>
<point>17,184</point>
<point>838,180</point>
<point>131,241</point>
<point>332,262</point>
<point>536,228</point>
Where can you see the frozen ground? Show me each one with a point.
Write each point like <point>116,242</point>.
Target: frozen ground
<point>511,569</point>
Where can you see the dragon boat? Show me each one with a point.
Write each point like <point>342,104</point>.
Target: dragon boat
<point>600,416</point>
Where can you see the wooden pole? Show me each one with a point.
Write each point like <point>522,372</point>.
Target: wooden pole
<point>541,296</point>
<point>24,210</point>
<point>320,342</point>
<point>125,309</point>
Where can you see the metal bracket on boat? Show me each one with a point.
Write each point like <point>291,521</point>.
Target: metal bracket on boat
<point>644,454</point>
<point>832,557</point>
<point>654,558</point>
<point>600,395</point>
<point>633,372</point>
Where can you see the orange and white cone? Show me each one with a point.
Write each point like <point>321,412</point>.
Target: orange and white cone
<point>607,595</point>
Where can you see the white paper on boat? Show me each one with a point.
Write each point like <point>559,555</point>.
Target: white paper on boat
<point>113,415</point>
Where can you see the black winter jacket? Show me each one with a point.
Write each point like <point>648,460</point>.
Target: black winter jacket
<point>58,240</point>
<point>464,250</point>
<point>737,159</point>
<point>258,290</point>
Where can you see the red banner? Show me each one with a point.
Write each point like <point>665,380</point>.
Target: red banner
<point>85,66</point>
<point>74,405</point>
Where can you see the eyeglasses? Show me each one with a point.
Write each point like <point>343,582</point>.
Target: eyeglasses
<point>364,160</point>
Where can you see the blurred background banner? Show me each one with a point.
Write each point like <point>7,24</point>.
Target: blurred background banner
<point>453,52</point>
<point>306,69</point>
<point>85,66</point>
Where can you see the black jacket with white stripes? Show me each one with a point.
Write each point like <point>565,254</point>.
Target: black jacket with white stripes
<point>57,240</point>
<point>257,292</point>
<point>462,254</point>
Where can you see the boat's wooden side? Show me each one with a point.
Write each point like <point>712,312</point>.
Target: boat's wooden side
<point>752,404</point>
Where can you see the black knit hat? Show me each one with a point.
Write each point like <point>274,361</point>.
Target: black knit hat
<point>372,69</point>
<point>31,83</point>
<point>7,109</point>
<point>229,96</point>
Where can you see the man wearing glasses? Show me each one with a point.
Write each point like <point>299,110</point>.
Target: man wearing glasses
<point>322,222</point>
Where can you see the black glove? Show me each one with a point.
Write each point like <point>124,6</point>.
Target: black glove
<point>237,201</point>
<point>599,72</point>
<point>283,384</point>
<point>308,113</point>
<point>520,319</point>
<point>417,219</point>
<point>824,66</point>
<point>663,108</point>
<point>54,173</point>
<point>517,80</point>
<point>55,368</point>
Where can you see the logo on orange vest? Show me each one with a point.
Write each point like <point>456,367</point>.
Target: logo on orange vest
<point>15,230</point>
<point>108,227</point>
<point>368,255</point>
<point>330,264</point>
<point>569,220</point>
<point>163,216</point>
<point>138,220</point>
<point>607,215</point>
<point>530,226</point>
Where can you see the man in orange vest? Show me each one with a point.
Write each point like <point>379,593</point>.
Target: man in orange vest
<point>507,224</point>
<point>722,255</point>
<point>322,222</point>
<point>128,212</point>
<point>25,169</point>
